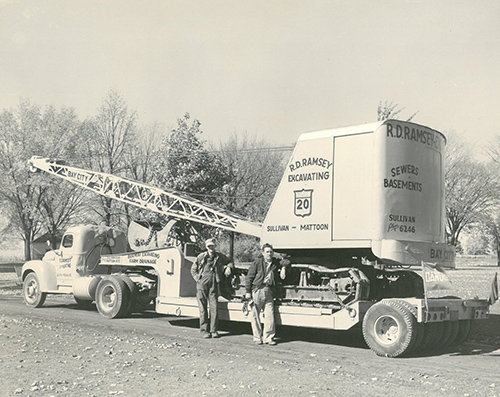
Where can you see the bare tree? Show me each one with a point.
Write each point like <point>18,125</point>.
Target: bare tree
<point>493,217</point>
<point>140,162</point>
<point>59,208</point>
<point>470,187</point>
<point>28,198</point>
<point>255,168</point>
<point>142,154</point>
<point>391,110</point>
<point>492,224</point>
<point>106,139</point>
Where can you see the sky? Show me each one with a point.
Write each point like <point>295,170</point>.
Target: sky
<point>274,68</point>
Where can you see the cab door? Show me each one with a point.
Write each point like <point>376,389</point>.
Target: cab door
<point>63,261</point>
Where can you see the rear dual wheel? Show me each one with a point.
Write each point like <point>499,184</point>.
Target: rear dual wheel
<point>464,330</point>
<point>138,301</point>
<point>444,334</point>
<point>132,294</point>
<point>419,332</point>
<point>389,328</point>
<point>453,334</point>
<point>432,334</point>
<point>113,297</point>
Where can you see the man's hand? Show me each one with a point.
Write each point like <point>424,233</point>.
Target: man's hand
<point>227,271</point>
<point>285,263</point>
<point>248,296</point>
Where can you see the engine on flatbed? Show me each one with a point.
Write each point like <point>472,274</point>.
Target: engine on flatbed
<point>311,284</point>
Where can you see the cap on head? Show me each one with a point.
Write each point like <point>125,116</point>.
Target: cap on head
<point>267,245</point>
<point>210,242</point>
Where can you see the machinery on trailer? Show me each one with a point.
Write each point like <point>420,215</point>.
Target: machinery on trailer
<point>359,213</point>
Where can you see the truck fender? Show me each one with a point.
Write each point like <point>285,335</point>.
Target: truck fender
<point>46,273</point>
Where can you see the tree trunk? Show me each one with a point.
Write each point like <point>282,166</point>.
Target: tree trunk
<point>53,241</point>
<point>27,247</point>
<point>231,245</point>
<point>497,240</point>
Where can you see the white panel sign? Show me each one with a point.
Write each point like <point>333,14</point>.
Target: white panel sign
<point>300,215</point>
<point>409,182</point>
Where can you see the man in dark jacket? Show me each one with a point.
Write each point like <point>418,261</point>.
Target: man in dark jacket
<point>208,271</point>
<point>263,275</point>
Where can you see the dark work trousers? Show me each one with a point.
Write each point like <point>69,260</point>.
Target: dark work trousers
<point>207,292</point>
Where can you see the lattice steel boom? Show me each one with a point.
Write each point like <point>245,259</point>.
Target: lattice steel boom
<point>148,197</point>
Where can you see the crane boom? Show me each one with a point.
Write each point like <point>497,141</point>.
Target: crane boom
<point>148,197</point>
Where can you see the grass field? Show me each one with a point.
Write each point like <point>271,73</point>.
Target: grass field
<point>473,277</point>
<point>11,255</point>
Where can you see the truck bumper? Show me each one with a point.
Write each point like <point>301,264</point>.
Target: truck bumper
<point>450,309</point>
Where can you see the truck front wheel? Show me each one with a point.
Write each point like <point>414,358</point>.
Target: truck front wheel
<point>33,295</point>
<point>389,329</point>
<point>112,297</point>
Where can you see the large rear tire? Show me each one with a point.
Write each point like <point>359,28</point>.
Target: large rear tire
<point>445,336</point>
<point>112,297</point>
<point>433,332</point>
<point>389,328</point>
<point>32,294</point>
<point>464,329</point>
<point>453,335</point>
<point>418,335</point>
<point>132,295</point>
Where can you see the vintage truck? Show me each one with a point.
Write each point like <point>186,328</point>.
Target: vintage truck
<point>359,213</point>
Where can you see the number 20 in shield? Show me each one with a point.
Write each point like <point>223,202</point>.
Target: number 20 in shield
<point>303,202</point>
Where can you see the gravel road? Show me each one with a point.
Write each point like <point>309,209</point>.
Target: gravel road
<point>62,350</point>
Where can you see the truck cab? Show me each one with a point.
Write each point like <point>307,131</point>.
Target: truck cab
<point>68,268</point>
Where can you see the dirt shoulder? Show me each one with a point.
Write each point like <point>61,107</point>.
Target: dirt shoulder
<point>62,350</point>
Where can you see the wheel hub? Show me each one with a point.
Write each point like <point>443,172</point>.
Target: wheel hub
<point>109,297</point>
<point>32,290</point>
<point>387,330</point>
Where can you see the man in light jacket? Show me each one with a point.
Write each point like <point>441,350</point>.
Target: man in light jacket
<point>260,282</point>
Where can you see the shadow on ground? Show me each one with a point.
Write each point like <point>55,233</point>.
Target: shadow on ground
<point>483,340</point>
